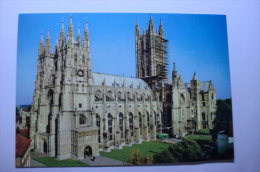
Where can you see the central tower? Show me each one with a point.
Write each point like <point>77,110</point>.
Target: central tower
<point>150,52</point>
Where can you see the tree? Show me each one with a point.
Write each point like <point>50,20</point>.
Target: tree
<point>136,157</point>
<point>180,152</point>
<point>223,117</point>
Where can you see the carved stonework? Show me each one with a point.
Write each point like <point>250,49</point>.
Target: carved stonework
<point>130,96</point>
<point>98,95</point>
<point>109,96</point>
<point>120,96</point>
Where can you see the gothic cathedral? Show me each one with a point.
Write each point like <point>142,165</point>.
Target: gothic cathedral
<point>78,113</point>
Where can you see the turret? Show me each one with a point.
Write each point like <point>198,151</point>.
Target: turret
<point>62,41</point>
<point>41,46</point>
<point>137,31</point>
<point>86,50</point>
<point>47,47</point>
<point>70,34</point>
<point>86,37</point>
<point>174,76</point>
<point>78,37</point>
<point>160,31</point>
<point>195,93</point>
<point>151,27</point>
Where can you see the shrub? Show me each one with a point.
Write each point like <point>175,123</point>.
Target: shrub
<point>180,152</point>
<point>136,157</point>
<point>148,159</point>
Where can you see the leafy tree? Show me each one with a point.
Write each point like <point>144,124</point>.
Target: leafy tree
<point>180,152</point>
<point>223,115</point>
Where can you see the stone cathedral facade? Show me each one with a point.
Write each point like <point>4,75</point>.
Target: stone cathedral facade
<point>78,113</point>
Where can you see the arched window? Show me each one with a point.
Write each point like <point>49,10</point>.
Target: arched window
<point>121,122</point>
<point>50,96</point>
<point>212,96</point>
<point>52,80</point>
<point>202,97</point>
<point>131,120</point>
<point>98,125</point>
<point>110,129</point>
<point>82,119</point>
<point>182,98</point>
<point>97,120</point>
<point>168,98</point>
<point>203,116</point>
<point>148,119</point>
<point>140,122</point>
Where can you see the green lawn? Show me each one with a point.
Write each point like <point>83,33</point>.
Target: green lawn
<point>52,162</point>
<point>146,148</point>
<point>200,137</point>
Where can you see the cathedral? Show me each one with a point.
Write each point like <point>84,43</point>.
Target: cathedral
<point>76,113</point>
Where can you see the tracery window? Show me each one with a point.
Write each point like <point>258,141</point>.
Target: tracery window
<point>98,125</point>
<point>110,129</point>
<point>140,122</point>
<point>82,119</point>
<point>148,119</point>
<point>131,123</point>
<point>121,121</point>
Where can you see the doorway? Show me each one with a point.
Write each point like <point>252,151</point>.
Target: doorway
<point>88,152</point>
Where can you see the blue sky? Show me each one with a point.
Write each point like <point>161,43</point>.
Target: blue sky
<point>197,43</point>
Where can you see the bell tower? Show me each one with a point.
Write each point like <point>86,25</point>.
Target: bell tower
<point>150,48</point>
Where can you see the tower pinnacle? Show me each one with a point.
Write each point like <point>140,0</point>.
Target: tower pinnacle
<point>48,43</point>
<point>70,33</point>
<point>161,32</point>
<point>86,38</point>
<point>150,27</point>
<point>78,36</point>
<point>195,76</point>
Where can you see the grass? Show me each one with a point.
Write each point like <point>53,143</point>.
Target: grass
<point>204,132</point>
<point>200,137</point>
<point>52,162</point>
<point>146,148</point>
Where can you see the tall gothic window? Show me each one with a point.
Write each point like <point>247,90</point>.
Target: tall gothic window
<point>183,107</point>
<point>140,122</point>
<point>50,96</point>
<point>110,129</point>
<point>203,116</point>
<point>131,120</point>
<point>121,122</point>
<point>168,98</point>
<point>148,119</point>
<point>98,125</point>
<point>82,119</point>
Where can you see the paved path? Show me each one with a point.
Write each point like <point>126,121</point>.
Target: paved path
<point>36,164</point>
<point>36,155</point>
<point>103,161</point>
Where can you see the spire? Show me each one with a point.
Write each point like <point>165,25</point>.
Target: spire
<point>86,37</point>
<point>174,71</point>
<point>150,27</point>
<point>70,32</point>
<point>137,31</point>
<point>161,32</point>
<point>78,36</point>
<point>41,45</point>
<point>62,35</point>
<point>194,76</point>
<point>48,43</point>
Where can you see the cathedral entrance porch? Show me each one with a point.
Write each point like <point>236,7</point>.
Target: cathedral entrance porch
<point>88,152</point>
